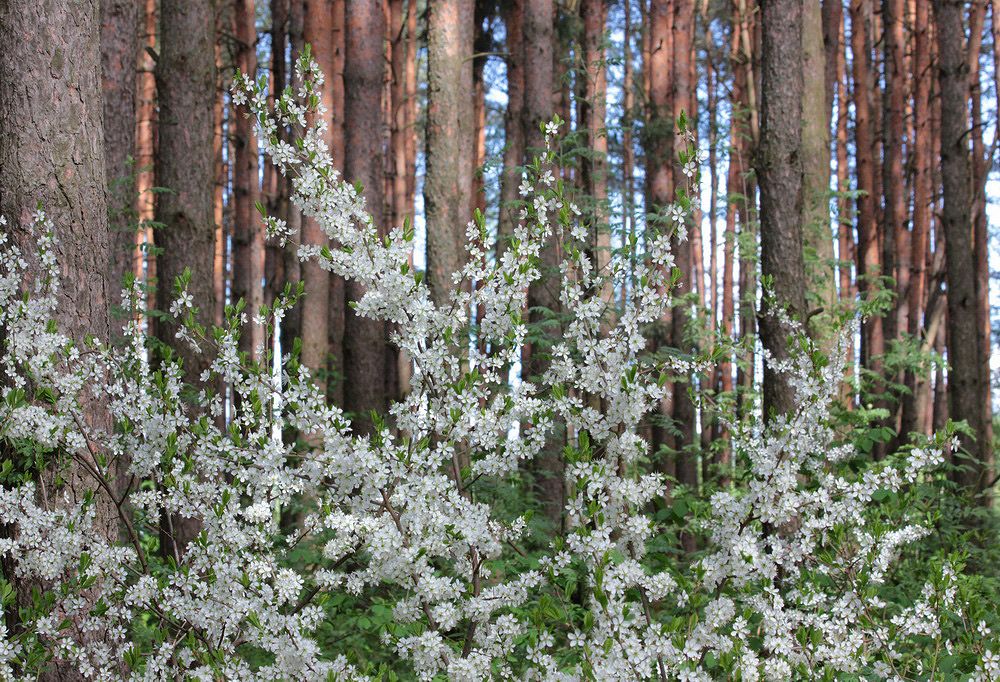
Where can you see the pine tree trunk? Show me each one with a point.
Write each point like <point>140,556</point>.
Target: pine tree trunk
<point>872,339</point>
<point>450,140</point>
<point>119,65</point>
<point>683,101</point>
<point>966,385</point>
<point>248,233</point>
<point>914,402</point>
<point>779,169</point>
<point>513,153</point>
<point>52,154</point>
<point>185,77</point>
<point>367,376</point>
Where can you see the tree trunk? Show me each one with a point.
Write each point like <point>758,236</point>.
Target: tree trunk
<point>966,385</point>
<point>894,223</point>
<point>52,154</point>
<point>513,152</point>
<point>914,402</point>
<point>248,234</point>
<point>450,140</point>
<point>684,100</point>
<point>119,65</point>
<point>367,375</point>
<point>538,43</point>
<point>816,169</point>
<point>872,339</point>
<point>779,169</point>
<point>319,32</point>
<point>185,164</point>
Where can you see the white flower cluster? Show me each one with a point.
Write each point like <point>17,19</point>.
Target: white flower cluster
<point>787,584</point>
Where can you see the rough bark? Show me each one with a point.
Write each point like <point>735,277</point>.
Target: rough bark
<point>119,63</point>
<point>248,232</point>
<point>684,100</point>
<point>914,402</point>
<point>539,86</point>
<point>779,169</point>
<point>368,376</point>
<point>185,78</point>
<point>816,167</point>
<point>966,385</point>
<point>895,259</point>
<point>450,140</point>
<point>52,154</point>
<point>319,33</point>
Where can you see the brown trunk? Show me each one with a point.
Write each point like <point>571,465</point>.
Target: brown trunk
<point>52,154</point>
<point>145,145</point>
<point>368,376</point>
<point>967,387</point>
<point>816,169</point>
<point>981,162</point>
<point>683,101</point>
<point>628,153</point>
<point>291,266</point>
<point>914,402</point>
<point>185,77</point>
<point>538,45</point>
<point>319,31</point>
<point>895,258</point>
<point>868,256</point>
<point>248,234</point>
<point>119,63</point>
<point>513,153</point>
<point>657,144</point>
<point>593,106</point>
<point>779,171</point>
<point>450,140</point>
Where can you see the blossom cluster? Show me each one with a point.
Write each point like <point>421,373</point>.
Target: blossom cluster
<point>788,584</point>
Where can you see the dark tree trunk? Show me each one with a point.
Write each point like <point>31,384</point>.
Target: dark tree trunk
<point>368,374</point>
<point>119,63</point>
<point>966,384</point>
<point>779,169</point>
<point>186,165</point>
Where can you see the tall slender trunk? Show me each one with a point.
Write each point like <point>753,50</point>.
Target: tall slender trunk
<point>967,387</point>
<point>779,169</point>
<point>369,378</point>
<point>816,168</point>
<point>895,258</point>
<point>513,153</point>
<point>145,146</point>
<point>538,45</point>
<point>319,31</point>
<point>914,402</point>
<point>868,256</point>
<point>658,147</point>
<point>683,101</point>
<point>248,233</point>
<point>185,78</point>
<point>450,140</point>
<point>981,162</point>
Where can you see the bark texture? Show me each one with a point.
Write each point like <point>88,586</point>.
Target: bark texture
<point>368,373</point>
<point>450,140</point>
<point>185,77</point>
<point>779,168</point>
<point>52,154</point>
<point>966,384</point>
<point>119,62</point>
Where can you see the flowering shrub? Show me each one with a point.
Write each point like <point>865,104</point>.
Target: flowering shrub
<point>406,520</point>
